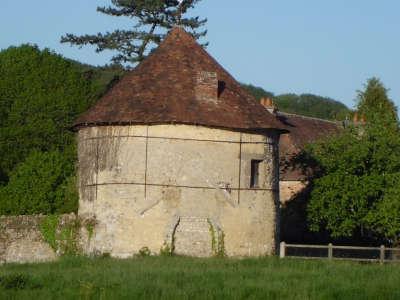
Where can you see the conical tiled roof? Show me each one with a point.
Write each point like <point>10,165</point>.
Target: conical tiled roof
<point>163,90</point>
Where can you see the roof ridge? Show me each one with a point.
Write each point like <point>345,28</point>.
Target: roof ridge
<point>308,117</point>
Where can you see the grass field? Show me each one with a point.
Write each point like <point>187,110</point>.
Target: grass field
<point>188,278</point>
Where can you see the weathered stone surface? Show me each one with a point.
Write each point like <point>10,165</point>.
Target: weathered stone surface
<point>193,237</point>
<point>154,182</point>
<point>21,240</point>
<point>289,189</point>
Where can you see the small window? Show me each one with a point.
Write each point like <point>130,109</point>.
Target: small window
<point>255,173</point>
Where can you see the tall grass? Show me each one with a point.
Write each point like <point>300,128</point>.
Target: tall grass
<point>189,278</point>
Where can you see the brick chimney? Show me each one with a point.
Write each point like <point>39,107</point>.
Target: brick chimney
<point>355,118</point>
<point>269,104</point>
<point>207,87</point>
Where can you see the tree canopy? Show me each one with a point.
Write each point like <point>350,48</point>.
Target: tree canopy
<point>41,93</point>
<point>374,103</point>
<point>151,19</point>
<point>356,191</point>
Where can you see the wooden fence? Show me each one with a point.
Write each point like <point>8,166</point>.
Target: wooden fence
<point>380,254</point>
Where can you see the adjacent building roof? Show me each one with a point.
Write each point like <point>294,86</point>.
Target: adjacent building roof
<point>175,84</point>
<point>303,130</point>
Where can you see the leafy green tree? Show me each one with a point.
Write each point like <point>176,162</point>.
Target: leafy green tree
<point>374,103</point>
<point>43,183</point>
<point>151,19</point>
<point>355,192</point>
<point>41,93</point>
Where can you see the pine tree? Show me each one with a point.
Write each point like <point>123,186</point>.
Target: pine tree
<point>152,19</point>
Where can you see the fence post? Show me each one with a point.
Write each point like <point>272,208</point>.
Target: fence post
<point>330,251</point>
<point>282,250</point>
<point>382,255</point>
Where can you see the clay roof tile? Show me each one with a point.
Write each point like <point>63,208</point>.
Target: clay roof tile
<point>163,89</point>
<point>303,130</point>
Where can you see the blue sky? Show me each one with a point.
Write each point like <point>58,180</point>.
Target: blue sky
<point>328,48</point>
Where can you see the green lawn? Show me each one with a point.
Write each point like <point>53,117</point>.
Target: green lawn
<point>188,278</point>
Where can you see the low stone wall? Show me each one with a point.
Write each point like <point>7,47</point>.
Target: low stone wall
<point>36,238</point>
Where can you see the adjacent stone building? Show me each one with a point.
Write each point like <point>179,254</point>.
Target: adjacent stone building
<point>178,157</point>
<point>302,130</point>
<point>295,173</point>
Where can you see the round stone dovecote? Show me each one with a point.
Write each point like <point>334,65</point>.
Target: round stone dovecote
<point>186,166</point>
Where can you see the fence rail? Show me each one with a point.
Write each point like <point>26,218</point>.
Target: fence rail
<point>380,254</point>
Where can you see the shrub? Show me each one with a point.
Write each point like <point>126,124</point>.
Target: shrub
<point>145,251</point>
<point>43,183</point>
<point>18,282</point>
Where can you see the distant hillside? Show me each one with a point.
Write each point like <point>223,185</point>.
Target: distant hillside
<point>258,92</point>
<point>304,104</point>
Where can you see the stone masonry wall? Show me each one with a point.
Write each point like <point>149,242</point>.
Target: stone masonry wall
<point>180,187</point>
<point>21,239</point>
<point>289,189</point>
